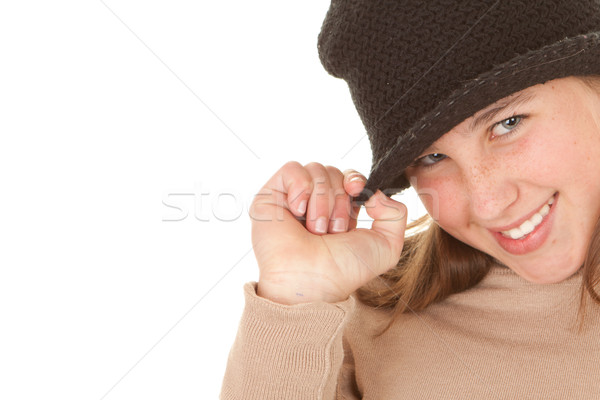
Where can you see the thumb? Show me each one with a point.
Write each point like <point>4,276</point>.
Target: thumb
<point>389,219</point>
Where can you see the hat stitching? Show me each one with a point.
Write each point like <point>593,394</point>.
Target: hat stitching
<point>436,63</point>
<point>413,132</point>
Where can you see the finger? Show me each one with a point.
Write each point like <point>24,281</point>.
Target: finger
<point>320,203</point>
<point>340,215</point>
<point>354,182</point>
<point>389,219</point>
<point>372,252</point>
<point>353,220</point>
<point>289,188</point>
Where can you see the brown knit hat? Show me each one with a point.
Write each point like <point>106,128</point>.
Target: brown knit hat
<point>417,68</point>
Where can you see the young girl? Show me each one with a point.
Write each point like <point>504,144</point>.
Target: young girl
<point>491,111</point>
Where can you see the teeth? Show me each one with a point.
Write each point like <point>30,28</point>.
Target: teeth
<point>528,226</point>
<point>514,233</point>
<point>537,218</point>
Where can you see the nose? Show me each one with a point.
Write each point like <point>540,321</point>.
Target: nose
<point>490,189</point>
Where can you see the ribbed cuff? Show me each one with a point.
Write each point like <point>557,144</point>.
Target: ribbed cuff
<point>286,351</point>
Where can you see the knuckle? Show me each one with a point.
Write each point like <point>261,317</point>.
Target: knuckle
<point>257,211</point>
<point>261,195</point>
<point>340,194</point>
<point>320,175</point>
<point>321,180</point>
<point>291,165</point>
<point>333,170</point>
<point>335,174</point>
<point>313,165</point>
<point>305,185</point>
<point>403,210</point>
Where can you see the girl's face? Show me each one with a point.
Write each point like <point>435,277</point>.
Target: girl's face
<point>520,180</point>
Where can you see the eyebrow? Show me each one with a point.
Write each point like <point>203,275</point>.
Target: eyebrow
<point>489,115</point>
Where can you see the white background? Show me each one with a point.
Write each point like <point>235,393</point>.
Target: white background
<point>133,136</point>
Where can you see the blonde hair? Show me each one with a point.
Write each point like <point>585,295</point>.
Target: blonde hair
<point>434,265</point>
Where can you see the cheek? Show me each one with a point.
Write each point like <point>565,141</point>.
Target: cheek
<point>442,200</point>
<point>539,154</point>
<point>558,155</point>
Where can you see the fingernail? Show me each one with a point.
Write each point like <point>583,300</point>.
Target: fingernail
<point>355,177</point>
<point>339,225</point>
<point>321,225</point>
<point>302,207</point>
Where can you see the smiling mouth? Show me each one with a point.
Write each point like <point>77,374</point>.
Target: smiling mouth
<point>528,226</point>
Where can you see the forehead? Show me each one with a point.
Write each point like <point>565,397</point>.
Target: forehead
<point>554,93</point>
<point>489,114</point>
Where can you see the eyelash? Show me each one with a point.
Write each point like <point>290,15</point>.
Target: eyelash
<point>419,162</point>
<point>521,118</point>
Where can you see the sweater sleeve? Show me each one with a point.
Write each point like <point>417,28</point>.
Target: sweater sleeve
<point>287,352</point>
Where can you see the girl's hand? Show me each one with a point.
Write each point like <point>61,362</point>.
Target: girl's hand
<point>305,238</point>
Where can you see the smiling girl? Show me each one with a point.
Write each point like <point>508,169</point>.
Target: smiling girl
<point>491,112</point>
<point>526,189</point>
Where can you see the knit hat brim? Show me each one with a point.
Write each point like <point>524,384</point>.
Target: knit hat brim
<point>576,56</point>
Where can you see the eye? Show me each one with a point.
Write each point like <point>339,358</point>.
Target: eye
<point>430,159</point>
<point>503,127</point>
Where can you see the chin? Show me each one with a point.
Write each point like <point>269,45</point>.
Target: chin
<point>548,274</point>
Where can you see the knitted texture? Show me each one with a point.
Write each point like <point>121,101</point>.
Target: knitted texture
<point>416,69</point>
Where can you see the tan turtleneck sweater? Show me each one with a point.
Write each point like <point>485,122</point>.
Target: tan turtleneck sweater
<point>506,338</point>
